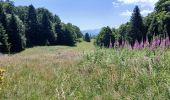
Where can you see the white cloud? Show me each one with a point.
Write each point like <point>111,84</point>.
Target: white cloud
<point>129,13</point>
<point>148,3</point>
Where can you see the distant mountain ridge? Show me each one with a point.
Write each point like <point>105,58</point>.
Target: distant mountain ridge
<point>91,31</point>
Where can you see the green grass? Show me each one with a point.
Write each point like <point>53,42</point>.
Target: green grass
<point>85,73</point>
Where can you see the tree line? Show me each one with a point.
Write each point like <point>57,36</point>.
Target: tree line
<point>139,29</point>
<point>26,26</point>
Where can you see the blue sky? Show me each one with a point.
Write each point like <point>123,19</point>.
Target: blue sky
<point>92,14</point>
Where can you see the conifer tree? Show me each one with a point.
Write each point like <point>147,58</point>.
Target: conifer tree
<point>46,31</point>
<point>32,33</point>
<point>16,39</point>
<point>137,27</point>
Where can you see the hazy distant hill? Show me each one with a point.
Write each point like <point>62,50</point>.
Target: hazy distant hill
<point>92,32</point>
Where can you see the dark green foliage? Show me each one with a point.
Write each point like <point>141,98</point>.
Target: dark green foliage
<point>27,26</point>
<point>40,13</point>
<point>16,36</point>
<point>60,34</point>
<point>3,19</point>
<point>32,32</point>
<point>105,37</point>
<point>167,24</point>
<point>162,5</point>
<point>122,33</point>
<point>22,12</point>
<point>69,35</point>
<point>8,7</point>
<point>47,35</point>
<point>56,19</point>
<point>4,45</point>
<point>77,31</point>
<point>66,34</point>
<point>153,29</point>
<point>87,37</point>
<point>137,27</point>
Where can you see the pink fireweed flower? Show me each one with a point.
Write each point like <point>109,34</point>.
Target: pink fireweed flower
<point>136,45</point>
<point>167,41</point>
<point>156,42</point>
<point>163,44</point>
<point>110,45</point>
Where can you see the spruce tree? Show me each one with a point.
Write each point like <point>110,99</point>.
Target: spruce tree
<point>16,39</point>
<point>4,45</point>
<point>87,37</point>
<point>48,37</point>
<point>32,33</point>
<point>137,27</point>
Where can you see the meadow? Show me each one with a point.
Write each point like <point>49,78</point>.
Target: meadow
<point>85,72</point>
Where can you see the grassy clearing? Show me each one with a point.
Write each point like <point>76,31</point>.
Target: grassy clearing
<point>84,73</point>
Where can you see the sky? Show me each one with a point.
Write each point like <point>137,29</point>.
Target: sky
<point>92,14</point>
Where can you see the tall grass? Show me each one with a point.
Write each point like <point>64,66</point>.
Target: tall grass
<point>85,73</point>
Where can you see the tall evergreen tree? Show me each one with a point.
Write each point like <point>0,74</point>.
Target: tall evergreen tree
<point>32,33</point>
<point>15,36</point>
<point>137,27</point>
<point>48,36</point>
<point>4,45</point>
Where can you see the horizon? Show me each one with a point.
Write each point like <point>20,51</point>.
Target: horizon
<point>91,15</point>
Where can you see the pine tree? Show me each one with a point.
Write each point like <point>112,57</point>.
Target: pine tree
<point>46,31</point>
<point>87,37</point>
<point>4,45</point>
<point>32,33</point>
<point>15,36</point>
<point>137,27</point>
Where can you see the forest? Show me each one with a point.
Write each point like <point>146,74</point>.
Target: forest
<point>24,27</point>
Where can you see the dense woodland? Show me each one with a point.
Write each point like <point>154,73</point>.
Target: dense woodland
<point>140,30</point>
<point>25,26</point>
